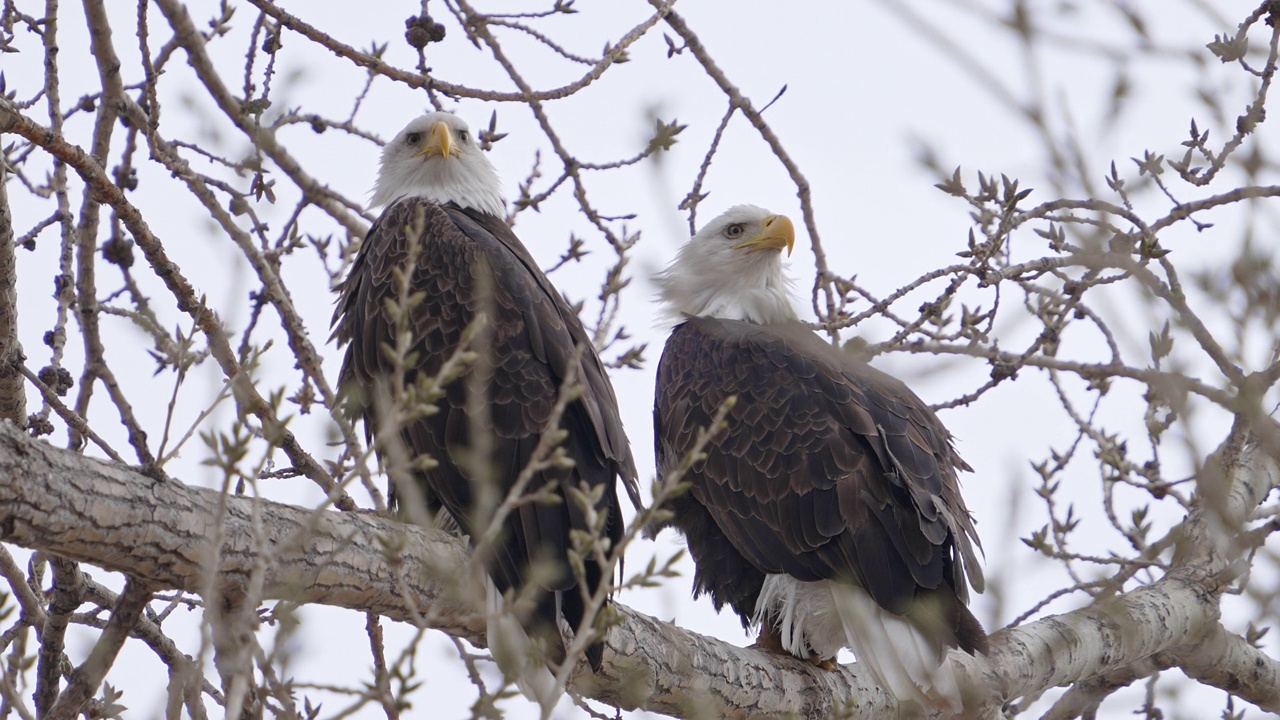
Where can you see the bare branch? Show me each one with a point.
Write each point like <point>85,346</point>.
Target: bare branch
<point>102,187</point>
<point>86,678</point>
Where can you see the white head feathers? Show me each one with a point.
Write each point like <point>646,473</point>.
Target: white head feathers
<point>732,269</point>
<point>436,156</point>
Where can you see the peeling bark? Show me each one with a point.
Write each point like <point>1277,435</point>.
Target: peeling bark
<point>1104,637</point>
<point>1225,660</point>
<point>159,532</point>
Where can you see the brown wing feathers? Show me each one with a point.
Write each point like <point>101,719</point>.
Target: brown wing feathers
<point>532,337</point>
<point>828,469</point>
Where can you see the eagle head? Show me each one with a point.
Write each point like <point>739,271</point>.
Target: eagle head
<point>732,269</point>
<point>436,156</point>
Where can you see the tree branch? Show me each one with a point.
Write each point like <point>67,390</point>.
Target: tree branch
<point>375,64</point>
<point>84,680</point>
<point>187,298</point>
<point>1225,660</point>
<point>192,41</point>
<point>66,596</point>
<point>158,532</point>
<point>13,398</point>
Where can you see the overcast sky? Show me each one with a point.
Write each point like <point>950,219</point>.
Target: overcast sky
<point>866,88</point>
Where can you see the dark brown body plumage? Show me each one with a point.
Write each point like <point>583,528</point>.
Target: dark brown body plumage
<point>532,336</point>
<point>828,470</point>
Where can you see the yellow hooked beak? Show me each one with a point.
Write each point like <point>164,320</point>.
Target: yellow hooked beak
<point>778,233</point>
<point>439,142</point>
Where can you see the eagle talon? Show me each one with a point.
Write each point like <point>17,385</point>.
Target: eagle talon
<point>818,662</point>
<point>770,640</point>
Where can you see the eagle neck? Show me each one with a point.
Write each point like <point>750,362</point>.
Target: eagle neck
<point>478,202</point>
<point>759,294</point>
<point>470,183</point>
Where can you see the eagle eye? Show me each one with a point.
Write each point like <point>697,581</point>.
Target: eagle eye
<point>734,230</point>
<point>464,136</point>
<point>413,138</point>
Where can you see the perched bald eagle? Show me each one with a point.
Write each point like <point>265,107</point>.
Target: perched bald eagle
<point>438,186</point>
<point>827,513</point>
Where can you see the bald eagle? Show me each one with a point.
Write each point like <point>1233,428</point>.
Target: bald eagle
<point>437,186</point>
<point>827,513</point>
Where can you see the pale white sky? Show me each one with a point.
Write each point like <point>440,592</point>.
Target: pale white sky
<point>863,89</point>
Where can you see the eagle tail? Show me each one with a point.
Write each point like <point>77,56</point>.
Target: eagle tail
<point>904,657</point>
<point>570,611</point>
<point>519,656</point>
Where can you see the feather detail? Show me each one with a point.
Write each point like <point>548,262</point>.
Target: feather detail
<point>467,263</point>
<point>517,655</point>
<point>827,510</point>
<point>819,618</point>
<point>710,278</point>
<point>900,656</point>
<point>465,178</point>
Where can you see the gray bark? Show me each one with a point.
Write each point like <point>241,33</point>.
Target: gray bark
<point>159,532</point>
<point>13,398</point>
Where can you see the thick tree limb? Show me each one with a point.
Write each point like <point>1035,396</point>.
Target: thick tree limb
<point>1225,660</point>
<point>1105,636</point>
<point>1085,697</point>
<point>159,531</point>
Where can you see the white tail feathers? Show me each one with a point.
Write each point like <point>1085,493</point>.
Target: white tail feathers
<point>821,617</point>
<point>517,656</point>
<point>902,659</point>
